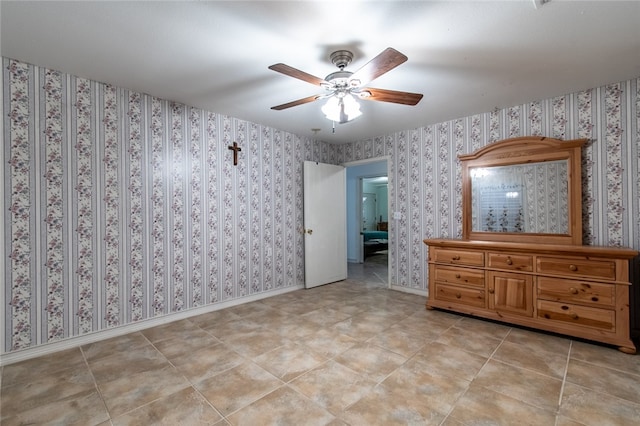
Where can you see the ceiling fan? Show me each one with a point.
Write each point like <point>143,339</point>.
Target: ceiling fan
<point>342,87</point>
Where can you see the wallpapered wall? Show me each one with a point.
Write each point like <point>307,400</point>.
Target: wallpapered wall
<point>121,207</point>
<point>425,178</point>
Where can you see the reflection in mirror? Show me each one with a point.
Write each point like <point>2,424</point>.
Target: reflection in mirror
<point>530,198</point>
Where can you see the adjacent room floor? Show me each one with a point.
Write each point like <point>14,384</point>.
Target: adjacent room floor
<point>350,353</point>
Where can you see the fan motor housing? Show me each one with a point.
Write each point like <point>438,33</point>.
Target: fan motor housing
<point>341,58</point>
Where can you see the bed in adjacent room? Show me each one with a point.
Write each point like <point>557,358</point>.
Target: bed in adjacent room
<point>374,241</point>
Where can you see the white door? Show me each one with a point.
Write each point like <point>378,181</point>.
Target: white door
<point>368,212</point>
<point>325,223</point>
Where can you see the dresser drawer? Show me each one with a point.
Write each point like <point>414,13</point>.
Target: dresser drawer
<point>584,316</point>
<point>458,257</point>
<point>461,295</point>
<point>588,268</point>
<point>510,262</point>
<point>463,276</point>
<point>575,291</point>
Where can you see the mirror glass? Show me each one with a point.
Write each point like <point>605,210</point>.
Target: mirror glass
<point>528,198</point>
<point>523,190</point>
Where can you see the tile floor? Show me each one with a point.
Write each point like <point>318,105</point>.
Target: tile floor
<point>349,353</point>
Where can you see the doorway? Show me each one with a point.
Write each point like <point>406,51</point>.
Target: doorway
<point>367,212</point>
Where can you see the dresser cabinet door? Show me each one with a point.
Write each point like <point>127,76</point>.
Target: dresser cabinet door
<point>510,292</point>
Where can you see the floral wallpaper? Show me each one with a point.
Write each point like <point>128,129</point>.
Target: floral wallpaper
<point>121,207</point>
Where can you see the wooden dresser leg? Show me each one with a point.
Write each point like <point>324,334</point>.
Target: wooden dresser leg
<point>627,350</point>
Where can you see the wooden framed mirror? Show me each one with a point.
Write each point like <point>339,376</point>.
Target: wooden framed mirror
<point>525,189</point>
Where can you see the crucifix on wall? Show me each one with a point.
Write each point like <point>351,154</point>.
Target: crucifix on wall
<point>235,148</point>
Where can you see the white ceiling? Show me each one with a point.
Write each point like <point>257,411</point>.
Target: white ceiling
<point>465,57</point>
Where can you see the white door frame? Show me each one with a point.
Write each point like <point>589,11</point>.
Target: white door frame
<point>386,158</point>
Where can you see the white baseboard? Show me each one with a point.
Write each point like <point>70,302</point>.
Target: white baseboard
<point>74,342</point>
<point>416,291</point>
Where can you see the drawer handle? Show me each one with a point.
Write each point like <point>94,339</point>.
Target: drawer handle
<point>573,268</point>
<point>574,316</point>
<point>491,291</point>
<point>455,258</point>
<point>458,276</point>
<point>573,290</point>
<point>509,261</point>
<point>458,295</point>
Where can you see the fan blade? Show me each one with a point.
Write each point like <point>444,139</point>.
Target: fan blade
<point>296,103</point>
<point>405,98</point>
<point>384,62</point>
<point>296,73</point>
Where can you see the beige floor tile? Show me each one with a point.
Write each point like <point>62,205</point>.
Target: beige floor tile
<point>359,329</point>
<point>484,327</point>
<point>115,345</point>
<point>436,391</point>
<point>170,330</point>
<point>178,347</point>
<point>84,408</point>
<point>211,319</point>
<point>350,307</point>
<point>386,316</point>
<point>207,362</point>
<point>224,330</point>
<point>134,390</point>
<point>372,361</point>
<point>282,407</point>
<point>285,299</point>
<point>325,316</point>
<point>469,340</point>
<point>294,328</point>
<point>594,408</point>
<point>31,369</point>
<point>448,360</point>
<point>550,363</point>
<point>256,342</point>
<point>238,387</point>
<point>400,342</point>
<point>125,363</point>
<point>289,361</point>
<point>329,342</point>
<point>481,406</point>
<point>565,421</point>
<point>525,385</point>
<point>606,357</point>
<point>252,309</point>
<point>45,389</point>
<point>536,341</point>
<point>605,380</point>
<point>450,421</point>
<point>300,307</point>
<point>384,407</point>
<point>421,327</point>
<point>333,386</point>
<point>185,407</point>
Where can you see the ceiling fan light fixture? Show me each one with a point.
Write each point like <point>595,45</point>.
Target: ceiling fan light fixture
<point>341,109</point>
<point>351,107</point>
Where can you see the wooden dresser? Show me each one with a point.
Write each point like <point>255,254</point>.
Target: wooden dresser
<point>580,291</point>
